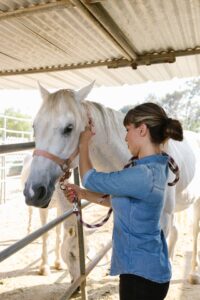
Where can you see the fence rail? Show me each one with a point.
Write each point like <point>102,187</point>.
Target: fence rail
<point>35,235</point>
<point>8,138</point>
<point>84,270</point>
<point>10,148</point>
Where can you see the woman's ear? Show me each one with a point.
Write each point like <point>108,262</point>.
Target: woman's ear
<point>143,129</point>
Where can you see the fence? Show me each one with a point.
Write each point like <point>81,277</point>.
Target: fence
<point>11,165</point>
<point>84,271</point>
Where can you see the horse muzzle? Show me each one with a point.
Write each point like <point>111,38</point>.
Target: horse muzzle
<point>38,195</point>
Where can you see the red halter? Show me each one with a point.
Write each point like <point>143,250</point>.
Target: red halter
<point>63,163</point>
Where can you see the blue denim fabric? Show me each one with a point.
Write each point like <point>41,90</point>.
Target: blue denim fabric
<point>139,246</point>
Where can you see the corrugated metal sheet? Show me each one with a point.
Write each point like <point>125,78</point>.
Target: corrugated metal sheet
<point>81,38</point>
<point>155,26</point>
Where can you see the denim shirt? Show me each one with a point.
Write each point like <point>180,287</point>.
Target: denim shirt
<point>139,246</point>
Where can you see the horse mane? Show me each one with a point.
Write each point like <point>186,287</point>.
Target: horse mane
<point>109,119</point>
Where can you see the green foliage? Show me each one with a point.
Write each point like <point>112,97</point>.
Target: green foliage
<point>182,104</point>
<point>185,105</point>
<point>18,125</point>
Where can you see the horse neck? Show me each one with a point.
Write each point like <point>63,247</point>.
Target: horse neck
<point>108,149</point>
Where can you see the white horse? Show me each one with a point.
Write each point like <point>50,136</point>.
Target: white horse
<point>57,126</point>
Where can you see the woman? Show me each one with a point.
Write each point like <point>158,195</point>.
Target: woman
<point>139,250</point>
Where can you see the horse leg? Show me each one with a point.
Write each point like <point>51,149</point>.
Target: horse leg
<point>170,231</point>
<point>194,277</point>
<point>70,249</point>
<point>44,267</point>
<point>30,215</point>
<point>58,264</point>
<point>172,239</point>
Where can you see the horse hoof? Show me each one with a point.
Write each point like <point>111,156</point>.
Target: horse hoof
<point>58,265</point>
<point>77,291</point>
<point>44,270</point>
<point>194,278</point>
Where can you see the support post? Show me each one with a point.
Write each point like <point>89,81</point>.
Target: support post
<point>81,245</point>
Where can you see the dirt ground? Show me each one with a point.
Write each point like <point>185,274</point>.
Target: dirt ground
<point>19,279</point>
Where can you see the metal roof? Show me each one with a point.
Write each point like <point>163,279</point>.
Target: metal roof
<point>67,43</point>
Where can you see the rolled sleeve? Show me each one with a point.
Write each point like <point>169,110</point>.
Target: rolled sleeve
<point>132,182</point>
<point>86,175</point>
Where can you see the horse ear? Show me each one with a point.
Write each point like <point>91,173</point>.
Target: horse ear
<point>82,93</point>
<point>44,93</point>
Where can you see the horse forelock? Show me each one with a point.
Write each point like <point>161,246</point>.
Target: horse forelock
<point>59,102</point>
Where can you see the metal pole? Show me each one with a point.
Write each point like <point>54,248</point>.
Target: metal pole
<point>4,178</point>
<point>36,234</point>
<point>1,180</point>
<point>16,147</point>
<point>4,161</point>
<point>81,244</point>
<point>89,268</point>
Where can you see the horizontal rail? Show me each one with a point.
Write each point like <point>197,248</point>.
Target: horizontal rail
<point>16,131</point>
<point>36,234</point>
<point>15,118</point>
<point>16,147</point>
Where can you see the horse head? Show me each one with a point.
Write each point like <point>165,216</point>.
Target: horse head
<point>57,128</point>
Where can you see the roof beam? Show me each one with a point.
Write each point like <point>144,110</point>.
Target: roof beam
<point>48,69</point>
<point>142,60</point>
<point>148,59</point>
<point>101,16</point>
<point>34,8</point>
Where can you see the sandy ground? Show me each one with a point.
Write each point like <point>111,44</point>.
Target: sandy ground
<point>19,279</point>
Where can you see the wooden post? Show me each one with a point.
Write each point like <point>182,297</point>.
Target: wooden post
<point>81,245</point>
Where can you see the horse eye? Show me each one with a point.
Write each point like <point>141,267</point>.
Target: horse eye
<point>68,129</point>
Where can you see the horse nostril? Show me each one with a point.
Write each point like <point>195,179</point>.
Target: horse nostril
<point>40,193</point>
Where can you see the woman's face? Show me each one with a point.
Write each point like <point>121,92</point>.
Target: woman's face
<point>133,139</point>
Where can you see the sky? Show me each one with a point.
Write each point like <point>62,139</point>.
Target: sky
<point>29,101</point>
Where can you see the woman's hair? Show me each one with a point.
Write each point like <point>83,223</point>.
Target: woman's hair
<point>160,126</point>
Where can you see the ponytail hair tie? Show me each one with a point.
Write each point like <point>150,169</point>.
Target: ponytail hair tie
<point>168,121</point>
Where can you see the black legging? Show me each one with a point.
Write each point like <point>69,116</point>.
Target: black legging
<point>132,287</point>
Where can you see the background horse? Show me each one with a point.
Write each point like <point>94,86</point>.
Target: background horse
<point>57,126</point>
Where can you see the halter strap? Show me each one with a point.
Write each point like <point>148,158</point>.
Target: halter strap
<point>63,163</point>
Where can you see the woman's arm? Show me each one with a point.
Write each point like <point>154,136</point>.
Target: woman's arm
<point>97,198</point>
<point>84,159</point>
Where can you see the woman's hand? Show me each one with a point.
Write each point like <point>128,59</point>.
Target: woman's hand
<point>72,191</point>
<point>86,135</point>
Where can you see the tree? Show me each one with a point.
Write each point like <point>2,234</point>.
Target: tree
<point>183,104</point>
<point>17,125</point>
<point>126,108</point>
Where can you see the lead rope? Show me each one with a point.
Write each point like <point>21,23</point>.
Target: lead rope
<point>76,210</point>
<point>174,168</point>
<point>76,207</point>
